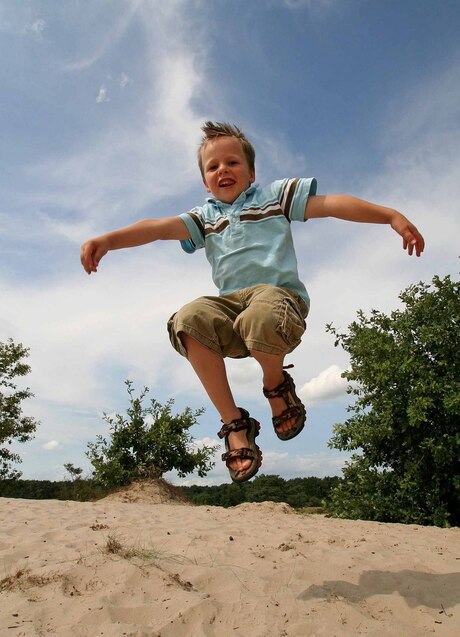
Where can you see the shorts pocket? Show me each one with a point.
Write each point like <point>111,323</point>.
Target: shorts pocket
<point>291,324</point>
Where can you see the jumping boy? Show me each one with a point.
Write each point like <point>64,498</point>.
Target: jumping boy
<point>262,304</point>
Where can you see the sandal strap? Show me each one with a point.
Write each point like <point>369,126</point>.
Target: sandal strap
<point>287,414</point>
<point>251,452</point>
<point>238,424</point>
<point>279,390</point>
<point>295,410</point>
<point>244,453</point>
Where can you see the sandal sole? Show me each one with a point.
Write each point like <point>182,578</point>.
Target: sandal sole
<point>290,436</point>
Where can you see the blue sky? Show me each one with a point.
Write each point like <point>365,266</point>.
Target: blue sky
<point>100,115</point>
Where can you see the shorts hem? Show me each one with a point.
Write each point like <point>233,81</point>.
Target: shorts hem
<point>267,349</point>
<point>207,342</point>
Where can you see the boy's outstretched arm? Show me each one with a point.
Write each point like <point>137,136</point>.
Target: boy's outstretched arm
<point>136,234</point>
<point>354,209</point>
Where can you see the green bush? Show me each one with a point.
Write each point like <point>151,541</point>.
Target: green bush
<point>405,424</point>
<point>14,426</point>
<point>148,442</point>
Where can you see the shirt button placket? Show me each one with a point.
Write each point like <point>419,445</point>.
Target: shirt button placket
<point>235,220</point>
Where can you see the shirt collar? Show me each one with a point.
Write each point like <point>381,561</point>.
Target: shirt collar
<point>241,197</point>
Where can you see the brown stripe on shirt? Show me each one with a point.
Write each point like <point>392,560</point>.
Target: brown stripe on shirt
<point>198,223</point>
<point>248,216</point>
<point>291,185</point>
<point>216,228</point>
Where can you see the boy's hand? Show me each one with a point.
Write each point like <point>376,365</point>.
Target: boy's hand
<point>92,252</point>
<point>412,239</point>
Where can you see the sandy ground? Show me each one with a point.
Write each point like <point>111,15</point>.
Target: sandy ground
<point>142,569</point>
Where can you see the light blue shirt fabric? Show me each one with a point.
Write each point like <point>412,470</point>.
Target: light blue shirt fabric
<point>249,242</point>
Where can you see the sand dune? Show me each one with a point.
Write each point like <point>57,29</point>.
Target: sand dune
<point>141,569</point>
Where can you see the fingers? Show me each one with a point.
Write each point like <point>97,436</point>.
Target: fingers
<point>85,259</point>
<point>413,240</point>
<point>89,257</point>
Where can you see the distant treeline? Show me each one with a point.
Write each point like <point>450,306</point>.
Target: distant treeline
<point>297,492</point>
<point>83,490</point>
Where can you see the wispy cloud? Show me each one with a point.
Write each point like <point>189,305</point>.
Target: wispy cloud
<point>426,111</point>
<point>102,96</point>
<point>110,37</point>
<point>89,333</point>
<point>36,28</point>
<point>21,19</point>
<point>146,159</point>
<point>124,80</point>
<point>316,6</point>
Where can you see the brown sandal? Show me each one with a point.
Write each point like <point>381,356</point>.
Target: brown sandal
<point>295,408</point>
<point>252,452</point>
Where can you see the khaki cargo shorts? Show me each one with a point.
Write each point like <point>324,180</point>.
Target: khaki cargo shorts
<point>263,318</point>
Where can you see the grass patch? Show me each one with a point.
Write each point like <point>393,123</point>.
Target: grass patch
<point>310,510</point>
<point>115,545</point>
<point>22,579</point>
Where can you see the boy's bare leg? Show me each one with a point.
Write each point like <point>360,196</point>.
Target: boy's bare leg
<point>210,368</point>
<point>272,368</point>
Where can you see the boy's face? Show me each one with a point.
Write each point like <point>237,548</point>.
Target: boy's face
<point>226,172</point>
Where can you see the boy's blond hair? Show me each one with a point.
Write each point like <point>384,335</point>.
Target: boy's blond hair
<point>212,130</point>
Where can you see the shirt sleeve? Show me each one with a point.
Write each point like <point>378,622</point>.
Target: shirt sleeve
<point>194,222</point>
<point>294,196</point>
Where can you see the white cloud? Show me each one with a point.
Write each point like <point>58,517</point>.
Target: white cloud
<point>244,373</point>
<point>199,443</point>
<point>51,445</point>
<point>328,384</point>
<point>322,464</point>
<point>85,325</point>
<point>86,334</point>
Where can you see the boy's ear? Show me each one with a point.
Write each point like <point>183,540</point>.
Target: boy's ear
<point>252,176</point>
<point>206,185</point>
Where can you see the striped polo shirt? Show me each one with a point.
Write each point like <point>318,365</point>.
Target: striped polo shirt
<point>249,242</point>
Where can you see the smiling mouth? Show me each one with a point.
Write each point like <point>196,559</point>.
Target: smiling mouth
<point>225,183</point>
